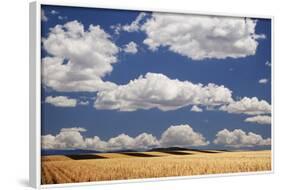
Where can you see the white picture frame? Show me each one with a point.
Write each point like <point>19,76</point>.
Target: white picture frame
<point>35,93</point>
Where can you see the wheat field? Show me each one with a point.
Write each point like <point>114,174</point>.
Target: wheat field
<point>120,166</point>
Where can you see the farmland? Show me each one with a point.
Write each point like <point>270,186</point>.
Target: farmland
<point>135,165</point>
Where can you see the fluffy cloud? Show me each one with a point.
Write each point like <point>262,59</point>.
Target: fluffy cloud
<point>131,47</point>
<point>66,139</point>
<point>122,141</point>
<point>48,142</point>
<point>263,81</point>
<point>43,16</point>
<point>64,101</point>
<point>196,109</point>
<point>96,143</point>
<point>146,140</point>
<point>79,58</point>
<point>200,37</point>
<point>182,135</point>
<point>71,138</point>
<point>260,119</point>
<point>238,138</point>
<point>132,27</point>
<point>61,101</point>
<point>249,106</point>
<point>158,91</point>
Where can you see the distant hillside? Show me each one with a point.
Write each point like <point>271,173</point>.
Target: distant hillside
<point>124,150</point>
<point>45,152</point>
<point>179,149</point>
<point>169,149</point>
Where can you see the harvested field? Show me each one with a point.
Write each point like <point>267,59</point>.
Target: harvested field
<point>136,165</point>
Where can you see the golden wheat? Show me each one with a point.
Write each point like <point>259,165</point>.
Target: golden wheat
<point>119,166</point>
<point>54,158</point>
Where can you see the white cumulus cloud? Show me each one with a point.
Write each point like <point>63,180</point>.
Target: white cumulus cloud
<point>200,37</point>
<point>96,143</point>
<point>158,91</point>
<point>69,138</point>
<point>66,139</point>
<point>179,135</point>
<point>131,47</point>
<point>249,106</point>
<point>238,138</point>
<point>182,135</point>
<point>48,142</point>
<point>61,101</point>
<point>145,140</point>
<point>79,58</point>
<point>260,119</point>
<point>122,142</point>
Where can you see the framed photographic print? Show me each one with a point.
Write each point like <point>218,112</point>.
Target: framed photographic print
<point>120,95</point>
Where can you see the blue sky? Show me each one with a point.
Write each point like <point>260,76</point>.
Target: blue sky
<point>240,74</point>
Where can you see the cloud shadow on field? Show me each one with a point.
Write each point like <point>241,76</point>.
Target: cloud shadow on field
<point>175,152</point>
<point>138,154</point>
<point>85,157</point>
<point>206,151</point>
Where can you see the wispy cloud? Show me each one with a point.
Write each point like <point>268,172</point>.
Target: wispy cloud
<point>61,101</point>
<point>62,17</point>
<point>54,12</point>
<point>263,81</point>
<point>132,27</point>
<point>260,119</point>
<point>267,63</point>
